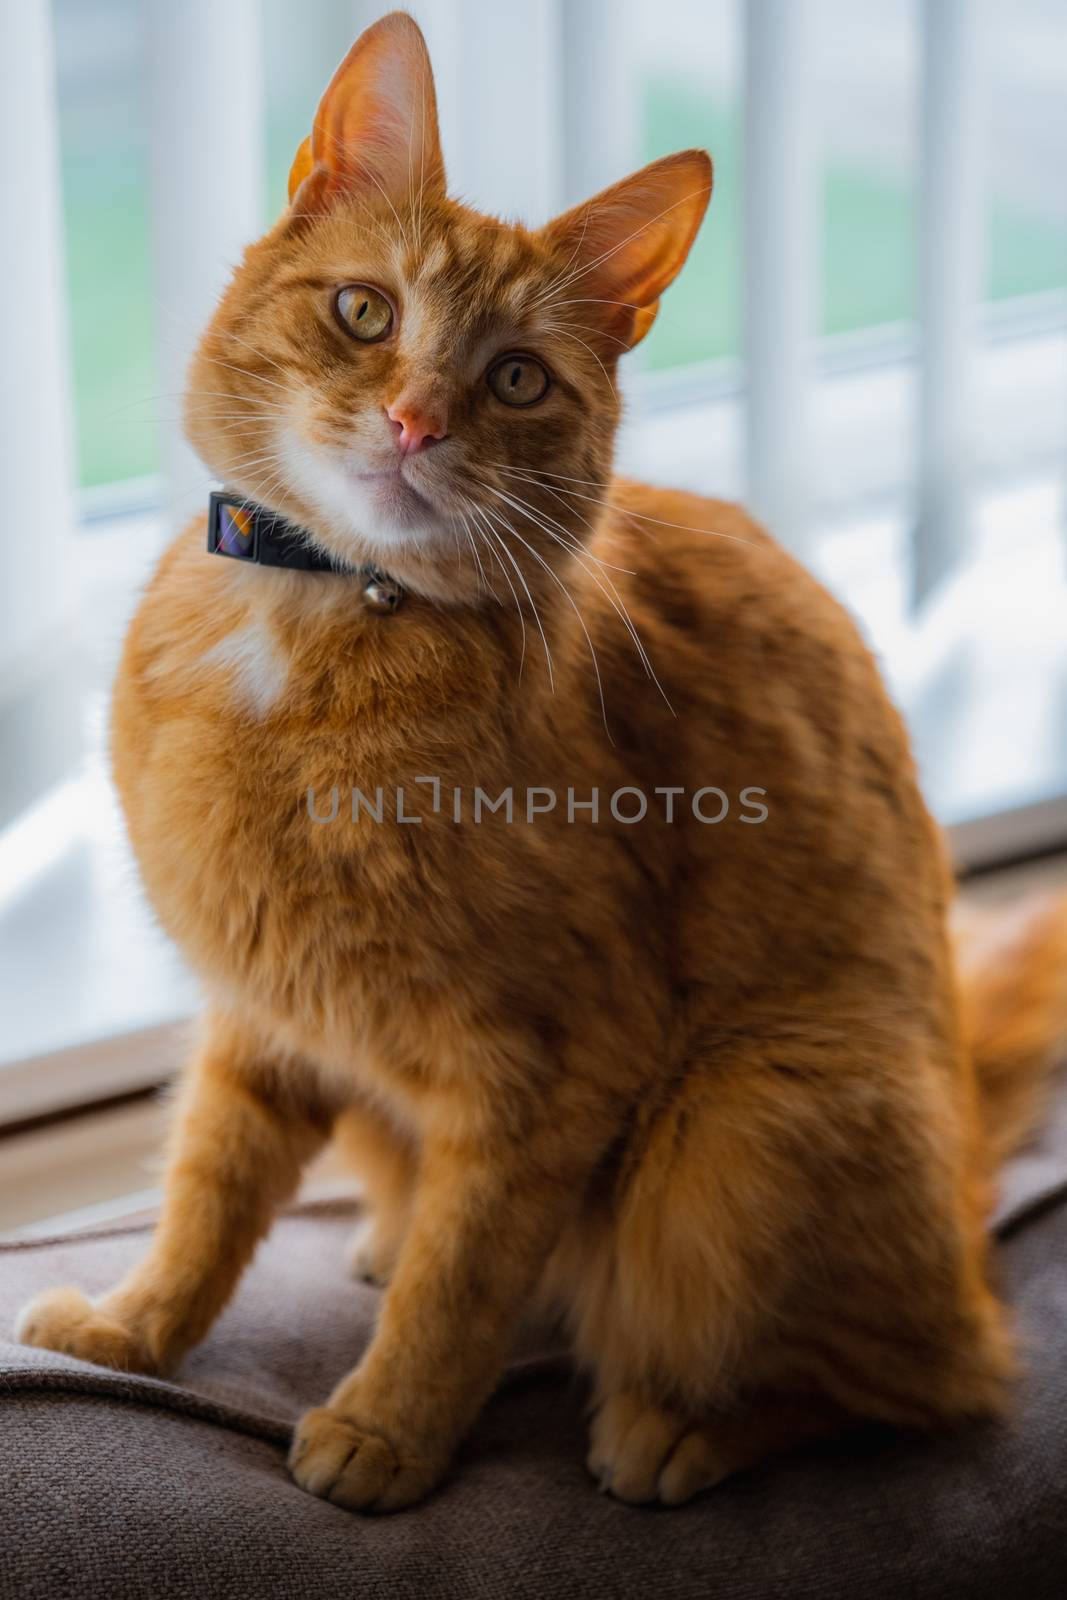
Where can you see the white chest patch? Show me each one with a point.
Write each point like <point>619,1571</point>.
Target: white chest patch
<point>251,666</point>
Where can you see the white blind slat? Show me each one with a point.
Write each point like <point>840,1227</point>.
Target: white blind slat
<point>206,136</point>
<point>38,721</point>
<point>951,258</point>
<point>779,261</point>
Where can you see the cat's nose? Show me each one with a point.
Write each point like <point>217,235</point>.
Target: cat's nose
<point>415,427</point>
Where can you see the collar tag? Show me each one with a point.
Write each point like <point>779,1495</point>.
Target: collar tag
<point>244,531</point>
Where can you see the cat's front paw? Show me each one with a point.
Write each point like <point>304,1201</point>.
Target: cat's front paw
<point>338,1460</point>
<point>67,1320</point>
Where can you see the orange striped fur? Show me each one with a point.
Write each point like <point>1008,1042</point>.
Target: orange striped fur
<point>699,1088</point>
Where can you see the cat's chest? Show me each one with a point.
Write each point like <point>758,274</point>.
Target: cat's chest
<point>251,668</point>
<point>276,808</point>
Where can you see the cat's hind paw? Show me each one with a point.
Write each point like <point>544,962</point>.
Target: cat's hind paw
<point>372,1253</point>
<point>645,1453</point>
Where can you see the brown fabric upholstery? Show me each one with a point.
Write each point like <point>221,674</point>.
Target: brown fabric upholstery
<point>126,1487</point>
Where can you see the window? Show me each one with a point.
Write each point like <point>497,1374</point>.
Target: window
<point>796,361</point>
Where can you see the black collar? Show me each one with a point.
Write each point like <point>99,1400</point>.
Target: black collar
<point>245,531</point>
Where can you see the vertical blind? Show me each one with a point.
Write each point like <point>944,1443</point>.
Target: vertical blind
<point>571,126</point>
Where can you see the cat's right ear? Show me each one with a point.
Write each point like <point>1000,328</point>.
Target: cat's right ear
<point>624,247</point>
<point>375,131</point>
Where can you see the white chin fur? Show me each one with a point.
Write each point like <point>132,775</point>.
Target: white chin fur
<point>352,509</point>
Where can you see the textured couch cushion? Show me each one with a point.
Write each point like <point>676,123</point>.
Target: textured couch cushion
<point>119,1487</point>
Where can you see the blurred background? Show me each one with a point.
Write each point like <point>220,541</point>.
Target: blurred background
<point>869,344</point>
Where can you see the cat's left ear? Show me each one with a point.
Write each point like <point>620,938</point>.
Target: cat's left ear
<point>627,244</point>
<point>375,131</point>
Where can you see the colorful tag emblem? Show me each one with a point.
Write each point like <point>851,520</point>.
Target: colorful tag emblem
<point>236,533</point>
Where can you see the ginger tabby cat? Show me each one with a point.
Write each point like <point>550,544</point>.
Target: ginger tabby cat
<point>698,1087</point>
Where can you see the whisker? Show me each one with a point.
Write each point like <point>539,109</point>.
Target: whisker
<point>609,566</point>
<point>481,533</point>
<point>598,300</point>
<point>539,558</point>
<point>360,150</point>
<point>485,516</point>
<point>476,555</point>
<point>253,458</point>
<point>179,394</point>
<point>245,372</point>
<point>564,536</point>
<point>511,586</point>
<point>573,542</point>
<point>365,227</point>
<point>560,279</point>
<point>555,328</point>
<point>532,475</point>
<point>227,334</point>
<point>598,333</point>
<point>225,419</point>
<point>612,596</point>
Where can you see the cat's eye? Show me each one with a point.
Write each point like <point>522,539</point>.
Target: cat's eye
<point>518,380</point>
<point>364,312</point>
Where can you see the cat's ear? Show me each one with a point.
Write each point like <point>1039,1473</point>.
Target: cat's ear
<point>627,244</point>
<point>376,127</point>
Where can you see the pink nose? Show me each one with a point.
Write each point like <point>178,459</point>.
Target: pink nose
<point>414,429</point>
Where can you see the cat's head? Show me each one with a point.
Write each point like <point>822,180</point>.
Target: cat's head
<point>424,387</point>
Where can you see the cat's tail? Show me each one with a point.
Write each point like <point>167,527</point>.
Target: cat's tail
<point>1012,966</point>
